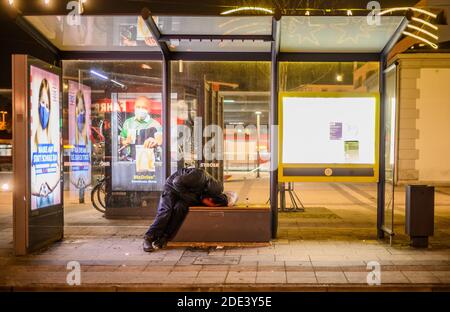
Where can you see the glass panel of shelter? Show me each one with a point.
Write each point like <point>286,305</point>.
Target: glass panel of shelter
<point>123,101</point>
<point>95,33</point>
<point>390,147</point>
<point>333,34</point>
<point>214,25</point>
<point>231,95</point>
<point>229,100</point>
<point>242,91</point>
<point>317,77</point>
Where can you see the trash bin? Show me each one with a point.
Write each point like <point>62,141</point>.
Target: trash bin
<point>419,214</point>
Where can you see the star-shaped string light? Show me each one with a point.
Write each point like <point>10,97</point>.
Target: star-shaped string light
<point>353,30</point>
<point>302,29</point>
<point>247,28</point>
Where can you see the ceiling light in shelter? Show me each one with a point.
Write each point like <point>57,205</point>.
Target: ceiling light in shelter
<point>93,72</point>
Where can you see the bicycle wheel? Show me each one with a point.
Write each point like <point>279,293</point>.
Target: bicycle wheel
<point>95,198</point>
<point>101,195</point>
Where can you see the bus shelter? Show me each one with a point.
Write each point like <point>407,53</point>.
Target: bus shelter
<point>91,43</point>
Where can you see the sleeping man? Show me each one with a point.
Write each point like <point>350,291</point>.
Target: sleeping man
<point>186,187</point>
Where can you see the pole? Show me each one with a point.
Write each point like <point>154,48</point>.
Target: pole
<point>166,117</point>
<point>274,122</point>
<point>258,133</point>
<point>381,159</point>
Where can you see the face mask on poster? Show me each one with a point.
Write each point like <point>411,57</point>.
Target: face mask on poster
<point>140,113</point>
<point>44,115</point>
<point>80,121</point>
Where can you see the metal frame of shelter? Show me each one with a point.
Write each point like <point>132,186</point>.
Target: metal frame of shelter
<point>275,56</point>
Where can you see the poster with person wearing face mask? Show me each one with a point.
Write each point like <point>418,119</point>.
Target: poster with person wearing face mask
<point>79,99</point>
<point>137,165</point>
<point>45,140</point>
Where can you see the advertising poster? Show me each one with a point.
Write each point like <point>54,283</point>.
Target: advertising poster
<point>137,163</point>
<point>45,139</point>
<point>79,99</point>
<point>335,130</point>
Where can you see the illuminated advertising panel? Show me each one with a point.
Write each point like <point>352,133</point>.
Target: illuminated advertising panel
<point>79,99</point>
<point>328,137</point>
<point>137,142</point>
<point>45,138</point>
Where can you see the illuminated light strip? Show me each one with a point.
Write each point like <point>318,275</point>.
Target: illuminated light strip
<point>247,9</point>
<point>433,45</point>
<point>98,74</point>
<point>408,8</point>
<point>118,83</point>
<point>416,19</point>
<point>423,31</point>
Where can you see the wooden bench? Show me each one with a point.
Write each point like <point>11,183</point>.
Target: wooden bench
<point>226,224</point>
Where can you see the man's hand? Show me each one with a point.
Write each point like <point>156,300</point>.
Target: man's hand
<point>127,141</point>
<point>150,143</point>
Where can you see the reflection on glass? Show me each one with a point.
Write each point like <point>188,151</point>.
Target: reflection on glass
<point>215,25</point>
<point>219,46</point>
<point>95,33</point>
<point>336,33</point>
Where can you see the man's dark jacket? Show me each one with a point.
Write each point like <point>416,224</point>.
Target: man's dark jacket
<point>182,189</point>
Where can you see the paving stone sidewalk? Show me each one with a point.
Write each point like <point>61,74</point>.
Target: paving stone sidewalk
<point>327,248</point>
<point>120,262</point>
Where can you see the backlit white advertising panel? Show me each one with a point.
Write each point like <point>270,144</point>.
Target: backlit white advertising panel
<point>328,130</point>
<point>329,136</point>
<point>45,139</point>
<point>79,99</point>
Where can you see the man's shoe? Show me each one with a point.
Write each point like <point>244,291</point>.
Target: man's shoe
<point>148,244</point>
<point>160,243</point>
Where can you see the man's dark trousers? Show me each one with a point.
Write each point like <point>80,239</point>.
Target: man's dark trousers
<point>169,217</point>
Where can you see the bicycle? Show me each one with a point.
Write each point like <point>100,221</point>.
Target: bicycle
<point>98,195</point>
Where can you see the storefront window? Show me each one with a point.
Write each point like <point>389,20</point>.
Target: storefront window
<point>113,128</point>
<point>220,121</point>
<point>6,161</point>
